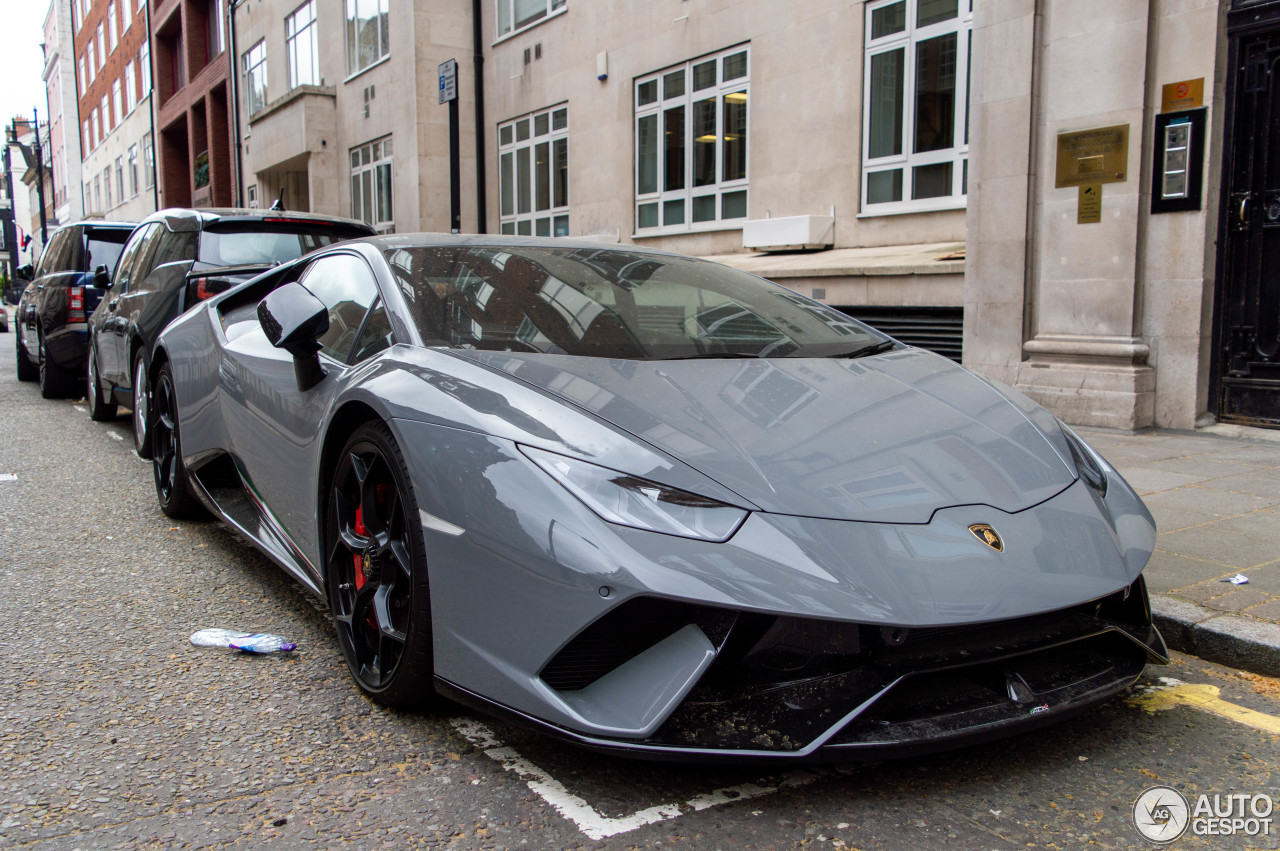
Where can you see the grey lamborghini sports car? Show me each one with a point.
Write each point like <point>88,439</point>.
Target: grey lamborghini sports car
<point>651,504</point>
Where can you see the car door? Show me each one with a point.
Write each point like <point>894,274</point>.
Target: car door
<point>104,320</point>
<point>155,286</point>
<point>275,428</point>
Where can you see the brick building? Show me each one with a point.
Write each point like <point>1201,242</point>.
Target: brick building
<point>193,113</point>
<point>113,83</point>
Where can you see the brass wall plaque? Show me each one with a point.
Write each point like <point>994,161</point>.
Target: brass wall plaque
<point>1188,94</point>
<point>1100,155</point>
<point>1089,206</point>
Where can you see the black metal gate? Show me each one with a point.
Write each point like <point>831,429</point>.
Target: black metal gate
<point>1247,332</point>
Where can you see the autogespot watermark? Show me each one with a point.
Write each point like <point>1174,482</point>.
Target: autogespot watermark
<point>1162,814</point>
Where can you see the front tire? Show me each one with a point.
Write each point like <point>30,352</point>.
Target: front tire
<point>141,407</point>
<point>99,408</point>
<point>27,371</point>
<point>173,488</point>
<point>377,571</point>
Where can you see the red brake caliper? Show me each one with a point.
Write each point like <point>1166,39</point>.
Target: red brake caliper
<point>358,558</point>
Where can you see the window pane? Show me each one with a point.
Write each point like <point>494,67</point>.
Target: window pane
<point>647,154</point>
<point>560,172</point>
<point>935,93</point>
<point>528,11</point>
<point>648,215</point>
<point>522,130</point>
<point>522,180</point>
<point>541,124</point>
<point>504,135</point>
<point>704,208</point>
<point>504,17</point>
<point>735,136</point>
<point>734,205</point>
<point>508,186</point>
<point>559,119</point>
<point>647,92</point>
<point>888,20</point>
<point>673,163</point>
<point>933,11</point>
<point>543,227</point>
<point>931,181</point>
<point>673,212</point>
<point>524,228</point>
<point>542,176</point>
<point>366,195</point>
<point>884,186</point>
<point>704,75</point>
<point>704,142</point>
<point>562,226</point>
<point>509,228</point>
<point>357,212</point>
<point>735,66</point>
<point>384,193</point>
<point>885,133</point>
<point>673,84</point>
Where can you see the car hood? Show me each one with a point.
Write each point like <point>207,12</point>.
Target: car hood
<point>890,438</point>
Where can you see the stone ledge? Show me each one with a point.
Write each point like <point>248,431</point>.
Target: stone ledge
<point>280,103</point>
<point>1234,640</point>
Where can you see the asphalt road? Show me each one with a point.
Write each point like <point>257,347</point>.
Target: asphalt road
<point>117,733</point>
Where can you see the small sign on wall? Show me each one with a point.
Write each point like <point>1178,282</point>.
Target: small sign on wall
<point>1089,205</point>
<point>1187,94</point>
<point>1100,155</point>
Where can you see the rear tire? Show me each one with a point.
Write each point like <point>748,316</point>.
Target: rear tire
<point>377,571</point>
<point>27,371</point>
<point>55,381</point>
<point>99,408</point>
<point>173,487</point>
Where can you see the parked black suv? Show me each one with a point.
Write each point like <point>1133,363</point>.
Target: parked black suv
<point>51,338</point>
<point>174,259</point>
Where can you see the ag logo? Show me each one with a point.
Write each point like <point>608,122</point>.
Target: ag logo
<point>1161,814</point>
<point>988,536</point>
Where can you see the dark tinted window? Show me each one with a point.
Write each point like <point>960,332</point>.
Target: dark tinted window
<point>146,260</point>
<point>103,248</point>
<point>175,247</point>
<point>237,244</point>
<point>128,258</point>
<point>49,257</point>
<point>346,286</point>
<point>375,335</point>
<point>611,303</point>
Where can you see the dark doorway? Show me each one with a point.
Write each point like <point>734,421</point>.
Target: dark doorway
<point>1247,327</point>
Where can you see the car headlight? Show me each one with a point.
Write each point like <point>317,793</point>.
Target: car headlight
<point>1088,464</point>
<point>639,503</point>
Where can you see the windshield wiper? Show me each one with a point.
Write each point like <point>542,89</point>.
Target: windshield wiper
<point>868,350</point>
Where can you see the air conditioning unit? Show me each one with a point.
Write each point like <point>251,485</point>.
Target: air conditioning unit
<point>789,233</point>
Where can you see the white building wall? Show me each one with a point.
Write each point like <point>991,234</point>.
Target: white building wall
<point>64,135</point>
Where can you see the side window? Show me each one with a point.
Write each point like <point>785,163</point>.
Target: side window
<point>346,286</point>
<point>147,254</point>
<point>124,267</point>
<point>50,252</point>
<point>175,247</point>
<point>375,335</point>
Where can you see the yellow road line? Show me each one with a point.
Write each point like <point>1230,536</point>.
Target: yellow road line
<point>1205,698</point>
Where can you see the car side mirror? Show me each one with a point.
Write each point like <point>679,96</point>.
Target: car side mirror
<point>26,272</point>
<point>293,319</point>
<point>101,279</point>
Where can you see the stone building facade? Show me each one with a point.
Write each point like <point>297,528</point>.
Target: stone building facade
<point>64,136</point>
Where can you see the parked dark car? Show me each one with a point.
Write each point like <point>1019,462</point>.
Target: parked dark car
<point>52,314</point>
<point>175,258</point>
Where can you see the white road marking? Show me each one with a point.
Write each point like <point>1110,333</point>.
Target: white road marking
<point>597,826</point>
<point>116,436</point>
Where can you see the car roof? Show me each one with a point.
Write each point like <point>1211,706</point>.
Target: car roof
<point>192,219</point>
<point>433,240</point>
<point>101,223</point>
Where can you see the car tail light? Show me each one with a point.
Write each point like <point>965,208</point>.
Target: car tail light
<point>75,305</point>
<point>198,289</point>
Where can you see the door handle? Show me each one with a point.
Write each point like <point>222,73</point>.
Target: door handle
<point>111,305</point>
<point>1243,210</point>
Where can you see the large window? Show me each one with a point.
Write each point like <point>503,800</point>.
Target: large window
<point>691,145</point>
<point>144,65</point>
<point>916,112</point>
<point>133,171</point>
<point>117,103</point>
<point>113,37</point>
<point>533,164</point>
<point>130,88</point>
<point>371,185</point>
<point>215,29</point>
<point>514,15</point>
<point>255,71</point>
<point>367,37</point>
<point>300,46</point>
<point>148,161</point>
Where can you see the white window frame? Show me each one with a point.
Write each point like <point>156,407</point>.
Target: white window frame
<point>505,18</point>
<point>93,63</point>
<point>144,65</point>
<point>126,15</point>
<point>106,188</point>
<point>97,128</point>
<point>130,88</point>
<point>352,39</point>
<point>148,161</point>
<point>120,177</point>
<point>75,16</point>
<point>552,220</point>
<point>88,138</point>
<point>100,38</point>
<point>117,102</point>
<point>366,161</point>
<point>113,28</point>
<point>81,82</point>
<point>300,28</point>
<point>134,184</point>
<point>958,154</point>
<point>255,67</point>
<point>104,109</point>
<point>720,187</point>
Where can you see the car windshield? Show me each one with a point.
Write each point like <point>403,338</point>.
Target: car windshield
<point>105,247</point>
<point>267,243</point>
<point>612,303</point>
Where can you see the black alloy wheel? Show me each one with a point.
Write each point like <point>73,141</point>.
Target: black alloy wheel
<point>173,490</point>
<point>377,574</point>
<point>101,408</point>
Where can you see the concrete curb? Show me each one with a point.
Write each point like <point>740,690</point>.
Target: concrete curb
<point>1227,639</point>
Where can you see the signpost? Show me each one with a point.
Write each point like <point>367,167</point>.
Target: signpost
<point>449,94</point>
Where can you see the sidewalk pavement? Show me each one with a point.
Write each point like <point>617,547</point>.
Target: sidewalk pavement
<point>1215,495</point>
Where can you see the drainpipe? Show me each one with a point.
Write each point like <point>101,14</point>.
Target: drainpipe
<point>478,55</point>
<point>152,106</point>
<point>235,100</point>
